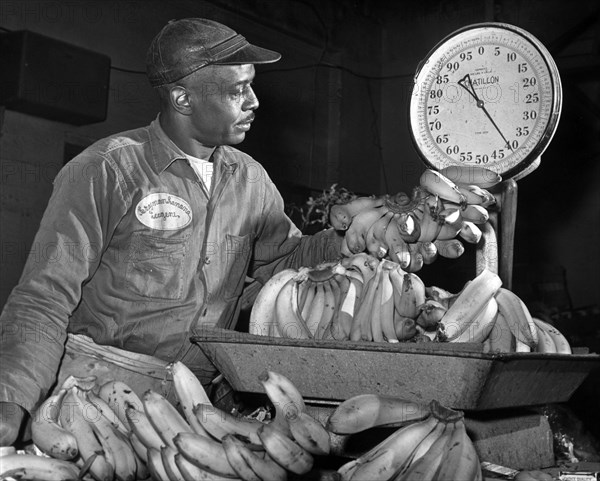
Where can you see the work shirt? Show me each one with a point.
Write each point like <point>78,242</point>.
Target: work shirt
<point>136,252</point>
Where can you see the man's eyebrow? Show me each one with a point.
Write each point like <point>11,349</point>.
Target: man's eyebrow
<point>243,82</point>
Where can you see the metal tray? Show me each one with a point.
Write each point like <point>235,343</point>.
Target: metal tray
<point>457,375</point>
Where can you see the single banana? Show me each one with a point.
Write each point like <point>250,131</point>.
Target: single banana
<point>141,463</point>
<point>328,310</point>
<point>376,329</point>
<point>560,341</point>
<point>397,279</point>
<point>366,411</point>
<point>142,428</point>
<point>361,324</point>
<point>438,294</point>
<point>475,195</point>
<point>233,450</point>
<point>310,434</point>
<point>74,419</point>
<point>481,327</point>
<point>471,175</point>
<point>430,225</point>
<point>356,235</point>
<point>156,466</point>
<point>461,460</point>
<point>189,392</point>
<point>315,313</point>
<point>406,328</point>
<point>416,258</point>
<point>411,296</point>
<point>545,343</point>
<point>426,464</point>
<point>262,315</point>
<point>475,213</point>
<point>365,263</point>
<point>37,468</point>
<point>408,225</point>
<point>219,423</point>
<point>429,251</point>
<point>340,286</point>
<point>471,300</point>
<point>375,236</point>
<point>451,213</point>
<point>167,456</point>
<point>309,296</point>
<point>397,246</point>
<point>521,346</point>
<point>191,472</point>
<point>164,417</point>
<point>285,397</point>
<point>349,302</point>
<point>118,395</point>
<point>204,452</point>
<point>449,231</point>
<point>287,314</point>
<point>115,443</point>
<point>248,465</point>
<point>387,308</point>
<point>450,248</point>
<point>303,292</point>
<point>501,338</point>
<point>140,450</point>
<point>342,215</point>
<point>285,451</point>
<point>46,432</point>
<point>390,455</point>
<point>103,407</point>
<point>470,232</point>
<point>438,184</point>
<point>518,317</point>
<point>430,314</point>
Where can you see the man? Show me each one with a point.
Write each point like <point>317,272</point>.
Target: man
<point>152,232</point>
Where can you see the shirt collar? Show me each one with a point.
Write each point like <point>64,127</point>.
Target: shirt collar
<point>165,151</point>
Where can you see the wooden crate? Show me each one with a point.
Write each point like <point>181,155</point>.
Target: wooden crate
<point>459,376</point>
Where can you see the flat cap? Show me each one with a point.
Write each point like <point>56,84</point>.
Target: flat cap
<point>186,45</point>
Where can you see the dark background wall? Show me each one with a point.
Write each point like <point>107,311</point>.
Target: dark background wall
<point>334,110</point>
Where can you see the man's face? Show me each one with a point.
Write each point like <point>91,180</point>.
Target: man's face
<point>223,104</point>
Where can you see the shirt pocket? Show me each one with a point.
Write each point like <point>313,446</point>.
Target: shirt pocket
<point>155,267</point>
<point>237,258</point>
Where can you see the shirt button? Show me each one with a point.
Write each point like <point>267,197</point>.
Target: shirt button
<point>206,260</point>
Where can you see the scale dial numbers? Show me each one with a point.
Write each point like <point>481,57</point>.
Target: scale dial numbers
<point>487,96</point>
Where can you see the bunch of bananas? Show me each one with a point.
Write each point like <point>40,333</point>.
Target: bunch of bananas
<point>360,298</point>
<point>414,230</point>
<point>434,445</point>
<point>485,312</point>
<point>81,437</point>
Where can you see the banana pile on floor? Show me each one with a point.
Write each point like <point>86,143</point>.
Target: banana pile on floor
<point>108,432</point>
<point>362,298</point>
<point>445,209</point>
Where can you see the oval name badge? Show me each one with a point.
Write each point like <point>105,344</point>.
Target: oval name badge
<point>163,211</point>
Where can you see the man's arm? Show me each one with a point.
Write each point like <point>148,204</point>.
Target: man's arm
<point>65,253</point>
<point>280,244</point>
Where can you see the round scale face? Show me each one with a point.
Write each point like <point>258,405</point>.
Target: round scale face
<point>487,95</point>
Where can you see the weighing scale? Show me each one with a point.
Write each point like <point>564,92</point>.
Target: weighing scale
<point>488,94</point>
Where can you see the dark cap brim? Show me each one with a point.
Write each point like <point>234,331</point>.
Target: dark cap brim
<point>250,54</point>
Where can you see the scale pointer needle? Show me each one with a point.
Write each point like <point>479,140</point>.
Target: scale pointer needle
<point>469,88</point>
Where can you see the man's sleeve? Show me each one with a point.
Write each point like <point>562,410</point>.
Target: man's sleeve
<point>84,207</point>
<point>280,244</point>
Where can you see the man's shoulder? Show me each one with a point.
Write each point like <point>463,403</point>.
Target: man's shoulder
<point>127,139</point>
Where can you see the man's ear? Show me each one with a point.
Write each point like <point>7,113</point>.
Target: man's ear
<point>180,100</point>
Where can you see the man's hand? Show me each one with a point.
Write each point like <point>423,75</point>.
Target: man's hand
<point>11,418</point>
